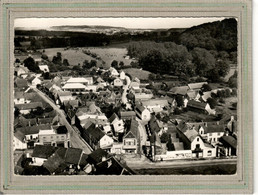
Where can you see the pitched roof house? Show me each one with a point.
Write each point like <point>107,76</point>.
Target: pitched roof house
<point>44,68</point>
<point>73,156</point>
<point>193,141</point>
<point>74,87</point>
<point>54,162</point>
<point>34,81</point>
<point>117,124</point>
<point>118,82</point>
<point>200,107</point>
<point>155,125</point>
<point>179,90</point>
<point>155,105</point>
<point>113,71</point>
<point>196,86</point>
<point>26,108</point>
<point>127,114</point>
<point>41,153</point>
<point>131,139</point>
<point>20,83</point>
<point>211,133</point>
<point>18,141</point>
<point>230,145</point>
<point>21,70</point>
<point>82,80</point>
<point>96,138</point>
<point>142,112</point>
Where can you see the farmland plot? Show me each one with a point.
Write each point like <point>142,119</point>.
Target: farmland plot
<point>110,54</point>
<point>76,56</point>
<point>73,56</point>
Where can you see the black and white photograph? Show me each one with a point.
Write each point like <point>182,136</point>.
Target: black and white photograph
<point>125,96</point>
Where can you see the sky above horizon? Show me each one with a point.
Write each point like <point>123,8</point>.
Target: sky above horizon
<point>138,23</point>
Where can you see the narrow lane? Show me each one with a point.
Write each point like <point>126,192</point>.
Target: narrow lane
<point>76,140</point>
<point>124,98</point>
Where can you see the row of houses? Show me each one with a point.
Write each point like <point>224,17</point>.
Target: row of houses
<point>70,161</point>
<point>192,140</point>
<point>30,136</point>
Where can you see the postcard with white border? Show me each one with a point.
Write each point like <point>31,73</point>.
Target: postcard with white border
<point>115,97</point>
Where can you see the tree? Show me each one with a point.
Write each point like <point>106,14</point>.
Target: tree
<point>65,62</point>
<point>31,65</point>
<point>49,109</point>
<point>212,102</point>
<point>206,87</point>
<point>86,64</point>
<point>164,138</point>
<point>227,93</point>
<point>44,57</point>
<point>57,59</point>
<point>221,94</point>
<point>134,64</point>
<point>234,105</point>
<point>39,111</point>
<point>232,82</point>
<point>234,92</point>
<point>93,63</point>
<point>221,100</point>
<point>152,76</point>
<point>223,67</point>
<point>121,64</point>
<point>214,95</point>
<point>177,111</point>
<point>179,100</point>
<point>170,145</point>
<point>17,60</point>
<point>76,68</point>
<point>46,75</point>
<point>130,96</point>
<point>114,64</point>
<point>16,112</point>
<point>203,60</point>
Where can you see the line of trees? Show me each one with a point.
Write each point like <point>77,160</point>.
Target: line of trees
<point>174,59</point>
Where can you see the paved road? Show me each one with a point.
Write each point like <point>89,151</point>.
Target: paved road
<point>124,98</point>
<point>76,139</point>
<point>144,163</point>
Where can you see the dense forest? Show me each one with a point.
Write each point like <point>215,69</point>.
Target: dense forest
<point>206,50</point>
<point>41,39</point>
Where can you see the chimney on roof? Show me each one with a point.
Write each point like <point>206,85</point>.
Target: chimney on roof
<point>232,118</point>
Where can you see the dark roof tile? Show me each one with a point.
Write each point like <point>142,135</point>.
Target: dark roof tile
<point>73,156</point>
<point>43,151</point>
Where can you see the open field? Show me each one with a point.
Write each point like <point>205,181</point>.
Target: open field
<point>76,56</point>
<point>73,56</point>
<point>135,72</point>
<point>109,54</point>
